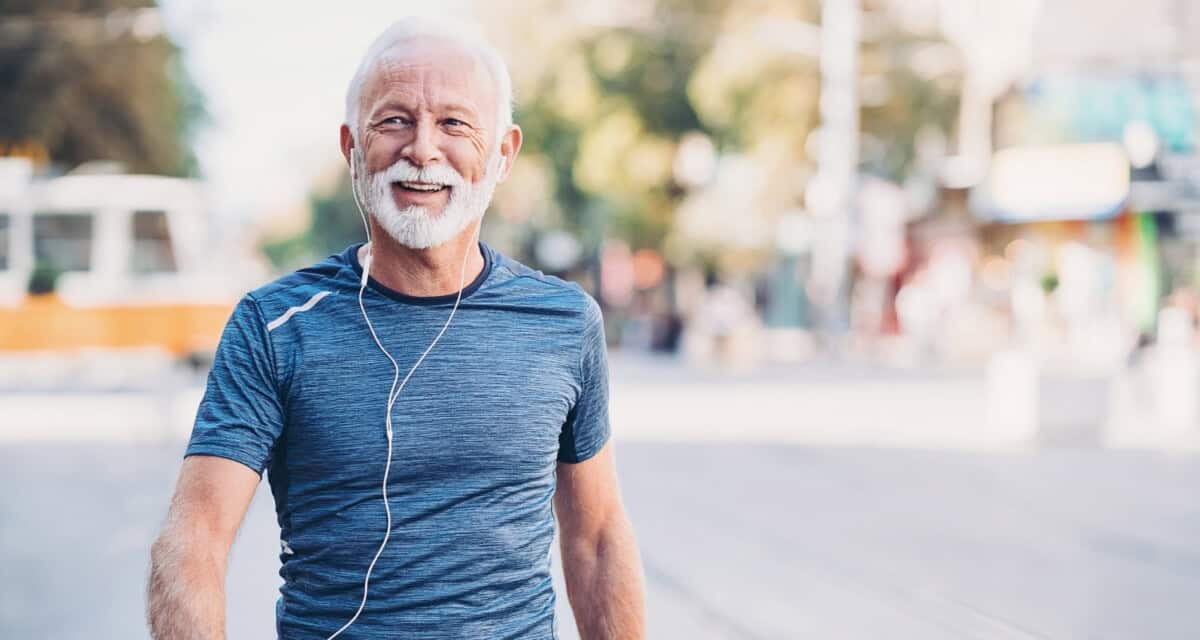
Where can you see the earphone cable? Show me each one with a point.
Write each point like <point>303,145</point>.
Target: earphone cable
<point>394,391</point>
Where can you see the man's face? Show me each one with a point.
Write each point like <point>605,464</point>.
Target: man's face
<point>430,107</point>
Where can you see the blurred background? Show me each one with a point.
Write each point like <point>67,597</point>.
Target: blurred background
<point>901,295</point>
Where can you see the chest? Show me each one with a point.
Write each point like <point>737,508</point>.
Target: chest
<point>485,400</point>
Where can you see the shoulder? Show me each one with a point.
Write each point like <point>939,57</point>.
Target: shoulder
<point>303,286</point>
<point>551,293</point>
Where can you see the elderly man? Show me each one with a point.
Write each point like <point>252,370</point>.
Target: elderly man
<point>423,405</point>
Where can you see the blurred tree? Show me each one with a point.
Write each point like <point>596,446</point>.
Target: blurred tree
<point>612,96</point>
<point>603,95</point>
<point>910,85</point>
<point>95,80</point>
<point>334,224</point>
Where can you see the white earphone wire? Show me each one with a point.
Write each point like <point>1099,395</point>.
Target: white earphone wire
<point>394,391</point>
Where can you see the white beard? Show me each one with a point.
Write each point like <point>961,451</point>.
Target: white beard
<point>416,227</point>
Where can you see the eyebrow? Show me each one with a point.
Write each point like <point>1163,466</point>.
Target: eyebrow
<point>388,106</point>
<point>451,108</point>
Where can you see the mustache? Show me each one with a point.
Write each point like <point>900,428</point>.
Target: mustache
<point>405,171</point>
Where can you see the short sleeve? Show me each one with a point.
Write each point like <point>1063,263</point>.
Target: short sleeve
<point>240,416</point>
<point>587,429</point>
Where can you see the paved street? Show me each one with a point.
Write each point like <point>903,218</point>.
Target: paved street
<point>739,541</point>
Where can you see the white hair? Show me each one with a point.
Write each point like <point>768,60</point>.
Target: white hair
<point>420,28</point>
<point>417,227</point>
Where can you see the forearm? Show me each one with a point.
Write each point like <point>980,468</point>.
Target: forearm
<point>605,585</point>
<point>186,591</point>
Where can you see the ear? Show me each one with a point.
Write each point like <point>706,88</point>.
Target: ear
<point>510,146</point>
<point>347,145</point>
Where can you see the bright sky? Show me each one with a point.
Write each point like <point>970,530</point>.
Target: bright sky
<point>274,74</point>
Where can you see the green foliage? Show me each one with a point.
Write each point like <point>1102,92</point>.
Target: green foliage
<point>44,279</point>
<point>335,224</point>
<point>650,73</point>
<point>912,101</point>
<point>1049,282</point>
<point>604,105</point>
<point>84,86</point>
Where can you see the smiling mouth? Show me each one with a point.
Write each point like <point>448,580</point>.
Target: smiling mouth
<point>420,187</point>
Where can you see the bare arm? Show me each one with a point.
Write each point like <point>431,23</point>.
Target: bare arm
<point>599,553</point>
<point>186,591</point>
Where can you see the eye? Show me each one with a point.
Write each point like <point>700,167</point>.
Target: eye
<point>403,121</point>
<point>454,122</point>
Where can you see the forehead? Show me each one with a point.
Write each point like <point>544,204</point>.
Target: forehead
<point>432,72</point>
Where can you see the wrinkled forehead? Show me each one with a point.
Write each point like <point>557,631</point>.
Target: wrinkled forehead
<point>432,70</point>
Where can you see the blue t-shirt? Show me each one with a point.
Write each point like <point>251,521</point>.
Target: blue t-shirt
<point>518,384</point>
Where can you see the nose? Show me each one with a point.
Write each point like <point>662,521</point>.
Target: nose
<point>422,148</point>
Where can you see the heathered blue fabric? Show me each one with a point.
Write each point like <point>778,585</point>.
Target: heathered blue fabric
<point>517,384</point>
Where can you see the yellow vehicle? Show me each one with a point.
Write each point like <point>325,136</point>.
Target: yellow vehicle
<point>132,261</point>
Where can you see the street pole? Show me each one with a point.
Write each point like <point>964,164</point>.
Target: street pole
<point>830,194</point>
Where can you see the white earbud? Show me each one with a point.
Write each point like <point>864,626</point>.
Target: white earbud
<point>355,164</point>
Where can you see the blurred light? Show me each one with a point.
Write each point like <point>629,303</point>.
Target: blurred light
<point>1175,328</point>
<point>616,274</point>
<point>822,195</point>
<point>1141,143</point>
<point>784,34</point>
<point>1016,249</point>
<point>935,60</point>
<point>995,37</point>
<point>950,274</point>
<point>695,160</point>
<point>812,144</point>
<point>916,308</point>
<point>557,250</point>
<point>884,211</point>
<point>930,144</point>
<point>874,90</point>
<point>648,269</point>
<point>1028,303</point>
<point>962,172</point>
<point>994,273</point>
<point>916,16</point>
<point>921,194</point>
<point>612,54</point>
<point>1057,182</point>
<point>793,233</point>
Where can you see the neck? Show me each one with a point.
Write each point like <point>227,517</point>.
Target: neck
<point>436,271</point>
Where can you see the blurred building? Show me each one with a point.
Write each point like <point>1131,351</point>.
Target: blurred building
<point>101,259</point>
<point>1080,219</point>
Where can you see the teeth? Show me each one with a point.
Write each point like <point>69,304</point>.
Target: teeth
<point>416,186</point>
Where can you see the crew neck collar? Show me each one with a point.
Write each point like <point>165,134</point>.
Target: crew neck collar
<point>350,255</point>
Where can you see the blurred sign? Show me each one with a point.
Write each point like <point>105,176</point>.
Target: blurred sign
<point>1057,182</point>
<point>1163,195</point>
<point>1097,106</point>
